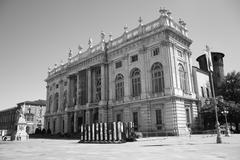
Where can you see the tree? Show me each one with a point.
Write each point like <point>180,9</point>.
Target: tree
<point>230,90</point>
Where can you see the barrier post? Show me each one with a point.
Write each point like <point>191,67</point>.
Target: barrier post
<point>105,132</point>
<point>97,128</point>
<point>86,132</point>
<point>89,132</point>
<point>99,132</point>
<point>82,134</point>
<point>93,132</point>
<point>119,126</point>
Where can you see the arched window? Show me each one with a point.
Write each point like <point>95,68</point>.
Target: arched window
<point>157,78</point>
<point>49,104</point>
<point>182,76</point>
<point>56,97</point>
<point>119,87</point>
<point>136,82</point>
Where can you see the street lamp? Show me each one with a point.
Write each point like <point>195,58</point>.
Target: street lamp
<point>210,69</point>
<point>225,112</point>
<point>219,139</point>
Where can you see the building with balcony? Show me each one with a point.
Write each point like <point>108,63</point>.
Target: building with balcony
<point>143,76</point>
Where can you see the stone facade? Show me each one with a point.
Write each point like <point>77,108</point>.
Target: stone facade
<point>144,76</point>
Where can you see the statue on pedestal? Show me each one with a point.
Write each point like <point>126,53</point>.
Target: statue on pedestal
<point>20,134</point>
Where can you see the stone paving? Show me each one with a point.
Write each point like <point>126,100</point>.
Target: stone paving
<point>172,148</point>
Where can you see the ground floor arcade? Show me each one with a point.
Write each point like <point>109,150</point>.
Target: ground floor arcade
<point>163,116</point>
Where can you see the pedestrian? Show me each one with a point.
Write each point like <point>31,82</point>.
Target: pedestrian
<point>189,130</point>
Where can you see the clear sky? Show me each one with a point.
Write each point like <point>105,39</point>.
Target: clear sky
<point>36,34</point>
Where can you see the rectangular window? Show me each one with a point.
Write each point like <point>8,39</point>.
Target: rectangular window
<point>134,58</point>
<point>159,116</point>
<point>208,95</point>
<point>63,126</point>
<point>83,87</point>
<point>159,119</point>
<point>202,90</point>
<point>180,54</point>
<point>119,117</point>
<point>56,85</point>
<point>118,64</point>
<point>98,84</point>
<point>155,52</point>
<point>54,125</point>
<point>187,115</point>
<point>48,124</point>
<point>135,120</point>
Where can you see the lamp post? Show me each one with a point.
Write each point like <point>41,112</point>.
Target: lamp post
<point>225,112</point>
<point>219,139</point>
<point>210,69</point>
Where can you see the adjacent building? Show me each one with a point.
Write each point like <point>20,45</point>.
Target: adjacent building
<point>8,120</point>
<point>203,86</point>
<point>144,76</point>
<point>33,112</point>
<point>218,68</point>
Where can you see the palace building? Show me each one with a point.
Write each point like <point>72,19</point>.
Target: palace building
<point>144,76</point>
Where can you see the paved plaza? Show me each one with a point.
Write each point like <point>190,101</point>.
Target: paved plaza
<point>196,147</point>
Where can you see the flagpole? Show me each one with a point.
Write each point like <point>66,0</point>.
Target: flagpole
<point>210,69</point>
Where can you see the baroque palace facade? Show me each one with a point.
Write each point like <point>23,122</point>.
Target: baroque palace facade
<point>144,76</point>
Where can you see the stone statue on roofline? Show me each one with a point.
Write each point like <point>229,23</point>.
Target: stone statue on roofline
<point>90,43</point>
<point>79,49</point>
<point>102,36</point>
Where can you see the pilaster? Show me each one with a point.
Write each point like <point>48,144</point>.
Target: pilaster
<point>89,79</point>
<point>103,85</point>
<point>68,92</point>
<point>144,67</point>
<point>77,101</point>
<point>75,121</point>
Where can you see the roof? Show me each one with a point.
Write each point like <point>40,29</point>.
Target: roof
<point>212,53</point>
<point>200,70</point>
<point>39,102</point>
<point>8,109</point>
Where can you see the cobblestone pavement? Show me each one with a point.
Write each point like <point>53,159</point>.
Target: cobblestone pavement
<point>196,147</point>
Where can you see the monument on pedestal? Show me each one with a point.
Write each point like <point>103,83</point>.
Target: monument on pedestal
<point>20,134</point>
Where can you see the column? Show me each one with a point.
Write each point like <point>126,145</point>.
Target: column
<point>103,90</point>
<point>89,85</point>
<point>47,98</point>
<point>144,71</point>
<point>61,90</point>
<point>87,117</point>
<point>77,89</point>
<point>66,123</point>
<point>75,122</point>
<point>189,70</point>
<point>68,92</point>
